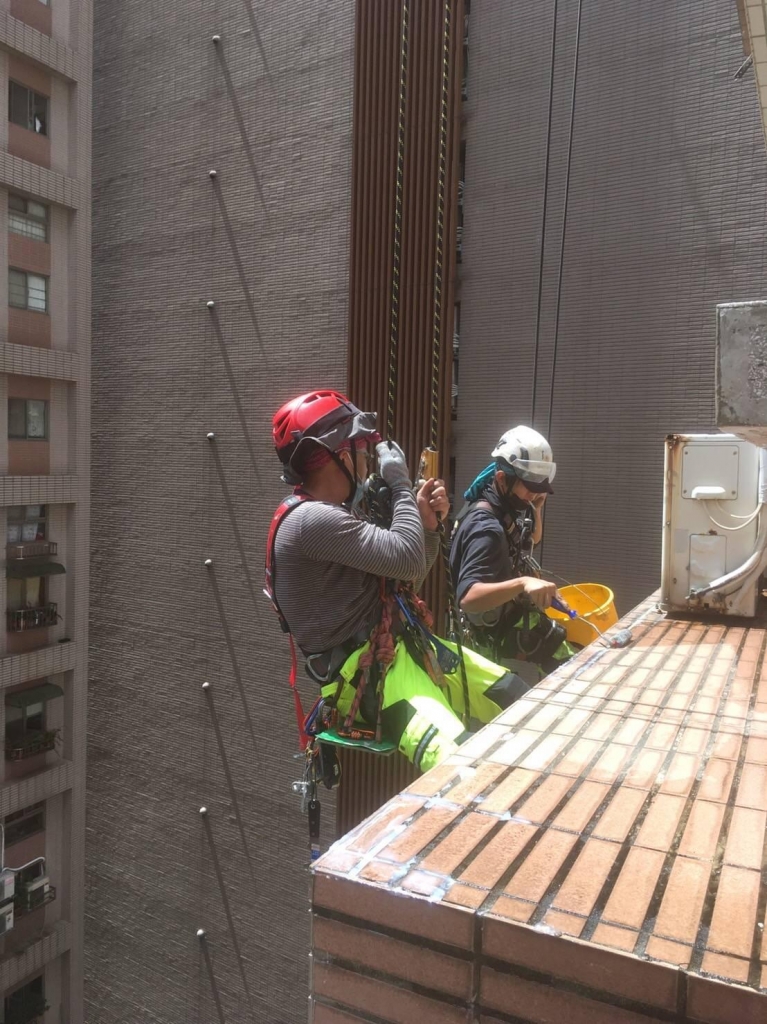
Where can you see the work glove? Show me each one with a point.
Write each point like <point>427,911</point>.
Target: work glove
<point>392,465</point>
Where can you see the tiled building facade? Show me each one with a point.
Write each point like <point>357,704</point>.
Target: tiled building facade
<point>45,70</point>
<point>218,297</point>
<point>268,108</point>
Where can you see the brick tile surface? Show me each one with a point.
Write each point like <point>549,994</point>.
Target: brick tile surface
<point>634,887</point>
<point>356,991</point>
<point>603,865</point>
<point>732,925</point>
<point>409,961</point>
<point>579,891</point>
<point>679,914</point>
<point>746,838</point>
<point>534,876</point>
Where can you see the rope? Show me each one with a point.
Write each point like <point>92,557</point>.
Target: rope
<point>544,211</point>
<point>555,348</point>
<point>436,347</point>
<point>397,241</point>
<point>436,338</point>
<point>564,215</point>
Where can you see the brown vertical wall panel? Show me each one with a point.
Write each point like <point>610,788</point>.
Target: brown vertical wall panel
<point>367,781</point>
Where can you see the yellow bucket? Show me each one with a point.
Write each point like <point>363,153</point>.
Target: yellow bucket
<point>594,603</point>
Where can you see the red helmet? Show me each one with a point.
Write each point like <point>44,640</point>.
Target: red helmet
<point>325,417</point>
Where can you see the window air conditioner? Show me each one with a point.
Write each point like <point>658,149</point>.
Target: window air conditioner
<point>38,887</point>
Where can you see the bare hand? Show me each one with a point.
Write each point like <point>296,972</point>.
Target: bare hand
<point>433,503</point>
<point>539,500</point>
<point>540,592</point>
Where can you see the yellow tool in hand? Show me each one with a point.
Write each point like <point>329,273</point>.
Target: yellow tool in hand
<point>428,468</point>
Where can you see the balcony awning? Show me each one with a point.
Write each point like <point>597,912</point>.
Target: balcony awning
<point>35,695</point>
<point>25,570</point>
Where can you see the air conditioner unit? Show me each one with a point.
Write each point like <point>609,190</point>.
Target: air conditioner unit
<point>6,918</point>
<point>710,521</point>
<point>37,888</point>
<point>7,885</point>
<point>715,503</point>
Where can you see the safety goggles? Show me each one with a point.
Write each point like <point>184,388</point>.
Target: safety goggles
<point>534,471</point>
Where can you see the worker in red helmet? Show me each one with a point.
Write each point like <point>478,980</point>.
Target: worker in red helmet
<point>337,581</point>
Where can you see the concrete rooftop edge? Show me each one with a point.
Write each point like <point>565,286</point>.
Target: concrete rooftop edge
<point>601,842</point>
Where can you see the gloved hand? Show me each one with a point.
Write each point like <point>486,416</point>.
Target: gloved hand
<point>392,465</point>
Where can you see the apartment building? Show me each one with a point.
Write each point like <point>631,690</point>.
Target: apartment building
<point>45,69</point>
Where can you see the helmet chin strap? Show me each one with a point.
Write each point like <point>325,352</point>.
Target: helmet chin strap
<point>511,504</point>
<point>353,480</point>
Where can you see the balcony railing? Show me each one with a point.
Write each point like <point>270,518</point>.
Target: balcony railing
<point>32,899</point>
<point>31,549</point>
<point>22,619</point>
<point>29,1011</point>
<point>32,745</point>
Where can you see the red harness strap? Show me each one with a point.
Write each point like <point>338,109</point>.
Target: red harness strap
<point>284,509</point>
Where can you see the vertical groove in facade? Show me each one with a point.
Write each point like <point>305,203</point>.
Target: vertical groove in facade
<point>369,781</point>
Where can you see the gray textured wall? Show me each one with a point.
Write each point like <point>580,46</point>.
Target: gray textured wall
<point>668,196</point>
<point>271,111</point>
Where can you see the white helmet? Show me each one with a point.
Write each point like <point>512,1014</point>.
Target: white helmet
<point>526,454</point>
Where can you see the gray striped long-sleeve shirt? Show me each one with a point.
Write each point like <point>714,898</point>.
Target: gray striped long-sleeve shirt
<point>328,566</point>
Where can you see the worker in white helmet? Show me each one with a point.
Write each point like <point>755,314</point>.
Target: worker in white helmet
<point>501,598</point>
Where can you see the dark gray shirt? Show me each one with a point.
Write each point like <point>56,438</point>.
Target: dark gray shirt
<point>328,566</point>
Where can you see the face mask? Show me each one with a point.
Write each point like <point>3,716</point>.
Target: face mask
<point>516,503</point>
<point>512,502</point>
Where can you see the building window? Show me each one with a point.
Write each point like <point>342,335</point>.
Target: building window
<point>24,824</point>
<point>27,291</point>
<point>20,723</point>
<point>26,524</point>
<point>27,419</point>
<point>27,1004</point>
<point>27,593</point>
<point>28,218</point>
<point>25,732</point>
<point>27,108</point>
